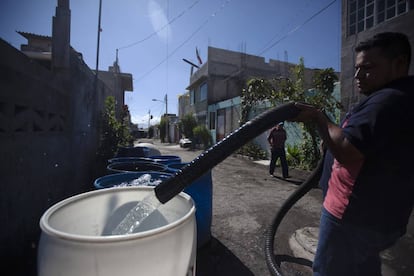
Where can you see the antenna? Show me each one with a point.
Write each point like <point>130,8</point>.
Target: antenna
<point>192,64</point>
<point>286,63</point>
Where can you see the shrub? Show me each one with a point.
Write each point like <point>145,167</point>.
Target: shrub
<point>252,150</point>
<point>293,155</point>
<point>202,136</point>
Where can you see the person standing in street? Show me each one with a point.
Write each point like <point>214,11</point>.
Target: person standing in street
<point>277,138</point>
<point>367,178</point>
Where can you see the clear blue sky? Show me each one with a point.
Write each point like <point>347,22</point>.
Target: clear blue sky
<point>153,36</point>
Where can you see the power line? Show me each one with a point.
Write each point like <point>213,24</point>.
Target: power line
<point>186,40</point>
<point>298,27</point>
<point>162,28</point>
<point>288,25</point>
<point>239,70</point>
<point>214,14</point>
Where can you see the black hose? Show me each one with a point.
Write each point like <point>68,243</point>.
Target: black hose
<point>305,187</point>
<point>220,151</point>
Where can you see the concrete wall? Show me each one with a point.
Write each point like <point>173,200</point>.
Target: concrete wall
<point>49,125</point>
<point>229,70</point>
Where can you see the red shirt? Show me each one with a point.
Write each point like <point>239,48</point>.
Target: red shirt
<point>277,138</point>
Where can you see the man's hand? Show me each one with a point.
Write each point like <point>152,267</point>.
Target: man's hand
<point>307,113</point>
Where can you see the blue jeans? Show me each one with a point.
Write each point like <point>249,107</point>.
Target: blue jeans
<point>276,154</point>
<point>349,250</point>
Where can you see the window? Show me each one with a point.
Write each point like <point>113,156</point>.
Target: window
<point>212,120</point>
<point>203,91</point>
<point>380,11</point>
<point>369,15</point>
<point>390,9</point>
<point>192,97</point>
<point>364,14</point>
<point>402,6</point>
<point>352,17</point>
<point>361,18</point>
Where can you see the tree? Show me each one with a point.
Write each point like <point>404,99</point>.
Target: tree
<point>281,90</point>
<point>187,124</point>
<point>151,132</point>
<point>161,127</point>
<point>202,135</point>
<point>114,133</point>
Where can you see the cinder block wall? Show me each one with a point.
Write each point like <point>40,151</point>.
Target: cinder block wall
<point>49,136</point>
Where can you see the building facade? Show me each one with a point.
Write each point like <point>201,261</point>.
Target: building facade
<point>216,87</point>
<point>50,120</point>
<point>362,19</point>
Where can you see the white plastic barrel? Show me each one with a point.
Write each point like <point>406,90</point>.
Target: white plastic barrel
<point>72,240</point>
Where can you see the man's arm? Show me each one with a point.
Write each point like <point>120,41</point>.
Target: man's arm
<point>332,135</point>
<point>269,137</point>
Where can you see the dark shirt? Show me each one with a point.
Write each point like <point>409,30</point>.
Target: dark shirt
<point>381,196</point>
<point>277,138</point>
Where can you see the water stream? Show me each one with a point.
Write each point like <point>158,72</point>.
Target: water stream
<point>142,210</point>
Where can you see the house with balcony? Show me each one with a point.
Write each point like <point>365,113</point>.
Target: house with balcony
<point>215,89</point>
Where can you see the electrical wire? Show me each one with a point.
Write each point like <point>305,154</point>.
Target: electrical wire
<point>213,15</point>
<point>205,22</point>
<point>299,13</point>
<point>162,28</point>
<point>297,27</point>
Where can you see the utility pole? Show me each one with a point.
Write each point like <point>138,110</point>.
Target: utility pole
<point>165,115</point>
<point>99,36</point>
<point>166,118</point>
<point>149,123</point>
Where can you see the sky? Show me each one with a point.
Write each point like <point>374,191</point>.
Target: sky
<point>153,36</point>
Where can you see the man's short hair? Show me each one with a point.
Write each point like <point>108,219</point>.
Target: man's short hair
<point>392,45</point>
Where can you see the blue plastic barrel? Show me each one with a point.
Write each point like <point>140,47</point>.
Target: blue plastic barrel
<point>136,167</point>
<point>166,159</point>
<point>129,159</point>
<point>201,191</point>
<point>132,152</point>
<point>116,179</point>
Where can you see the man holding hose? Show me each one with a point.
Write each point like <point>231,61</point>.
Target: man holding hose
<point>368,178</point>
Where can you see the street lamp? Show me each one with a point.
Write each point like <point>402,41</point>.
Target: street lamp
<point>166,115</point>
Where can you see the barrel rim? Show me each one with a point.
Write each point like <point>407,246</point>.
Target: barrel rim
<point>52,232</point>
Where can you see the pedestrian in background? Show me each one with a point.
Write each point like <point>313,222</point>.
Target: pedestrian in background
<point>367,179</point>
<point>277,138</point>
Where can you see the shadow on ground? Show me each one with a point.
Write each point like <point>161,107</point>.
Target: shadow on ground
<point>216,259</point>
<point>290,180</point>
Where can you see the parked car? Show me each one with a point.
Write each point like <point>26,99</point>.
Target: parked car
<point>185,142</point>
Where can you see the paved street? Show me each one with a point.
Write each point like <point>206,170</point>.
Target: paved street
<point>245,200</point>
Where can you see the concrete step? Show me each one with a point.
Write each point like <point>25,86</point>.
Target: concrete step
<point>303,243</point>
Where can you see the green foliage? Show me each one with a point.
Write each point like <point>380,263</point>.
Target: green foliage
<point>187,124</point>
<point>202,136</point>
<point>151,132</point>
<point>293,155</point>
<point>281,90</point>
<point>114,133</point>
<point>257,90</point>
<point>309,148</point>
<point>125,128</point>
<point>162,129</point>
<point>252,150</point>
